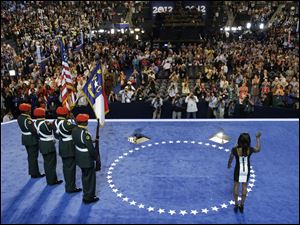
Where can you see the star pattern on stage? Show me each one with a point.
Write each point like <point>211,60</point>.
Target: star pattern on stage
<point>171,212</point>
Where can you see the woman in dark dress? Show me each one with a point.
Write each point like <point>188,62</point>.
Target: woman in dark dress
<point>242,153</point>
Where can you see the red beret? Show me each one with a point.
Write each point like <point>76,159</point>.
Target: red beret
<point>24,107</point>
<point>82,117</point>
<point>39,112</point>
<point>62,111</point>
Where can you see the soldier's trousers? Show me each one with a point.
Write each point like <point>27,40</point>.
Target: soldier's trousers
<point>69,169</point>
<point>33,154</point>
<point>50,167</point>
<point>88,182</point>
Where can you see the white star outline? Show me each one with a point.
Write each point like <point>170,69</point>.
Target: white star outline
<point>173,212</point>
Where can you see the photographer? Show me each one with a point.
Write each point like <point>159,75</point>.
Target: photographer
<point>177,105</point>
<point>191,101</point>
<point>157,103</point>
<point>248,106</point>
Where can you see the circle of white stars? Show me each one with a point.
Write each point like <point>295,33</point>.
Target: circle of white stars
<point>182,212</point>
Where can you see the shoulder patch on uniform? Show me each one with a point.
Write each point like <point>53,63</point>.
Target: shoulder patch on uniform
<point>68,123</point>
<point>87,137</point>
<point>29,121</point>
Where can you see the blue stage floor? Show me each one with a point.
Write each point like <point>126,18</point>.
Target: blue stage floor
<point>179,176</point>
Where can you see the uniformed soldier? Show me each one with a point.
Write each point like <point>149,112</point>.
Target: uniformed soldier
<point>46,145</point>
<point>63,132</point>
<point>30,140</point>
<point>85,156</point>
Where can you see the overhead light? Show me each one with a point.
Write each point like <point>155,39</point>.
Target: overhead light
<point>227,28</point>
<point>137,29</point>
<point>248,25</point>
<point>112,31</point>
<point>261,26</point>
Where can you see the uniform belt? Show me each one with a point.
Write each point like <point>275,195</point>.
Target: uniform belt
<point>67,139</point>
<point>82,149</point>
<point>47,139</point>
<point>26,133</point>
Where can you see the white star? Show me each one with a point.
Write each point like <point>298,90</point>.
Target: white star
<point>178,141</point>
<point>149,145</point>
<point>205,210</point>
<point>194,212</point>
<point>252,175</point>
<point>115,190</point>
<point>136,149</point>
<point>183,212</point>
<point>239,198</point>
<point>227,150</point>
<point>141,206</point>
<point>156,143</point>
<point>214,146</point>
<point>249,189</point>
<point>108,177</point>
<point>132,203</point>
<point>96,84</point>
<point>193,142</point>
<point>215,208</point>
<point>251,185</point>
<point>109,172</point>
<point>220,147</point>
<point>111,185</point>
<point>150,209</point>
<point>119,195</point>
<point>160,211</point>
<point>163,142</point>
<point>207,144</point>
<point>224,205</point>
<point>252,171</point>
<point>171,142</point>
<point>121,157</point>
<point>110,168</point>
<point>252,180</point>
<point>117,160</point>
<point>125,199</point>
<point>200,143</point>
<point>113,164</point>
<point>231,202</point>
<point>109,181</point>
<point>172,212</point>
<point>143,146</point>
<point>130,151</point>
<point>185,141</point>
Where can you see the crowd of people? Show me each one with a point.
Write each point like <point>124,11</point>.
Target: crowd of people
<point>218,70</point>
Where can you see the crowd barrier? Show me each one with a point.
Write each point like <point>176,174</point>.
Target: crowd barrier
<point>142,110</point>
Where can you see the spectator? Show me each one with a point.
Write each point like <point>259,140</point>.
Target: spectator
<point>157,103</point>
<point>192,108</point>
<point>8,116</point>
<point>177,105</point>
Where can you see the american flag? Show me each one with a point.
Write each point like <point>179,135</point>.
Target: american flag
<point>67,89</point>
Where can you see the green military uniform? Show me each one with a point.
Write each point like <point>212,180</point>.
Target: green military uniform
<point>30,140</point>
<point>63,132</point>
<point>85,156</point>
<point>47,148</point>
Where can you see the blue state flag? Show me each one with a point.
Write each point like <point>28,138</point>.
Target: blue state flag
<point>94,91</point>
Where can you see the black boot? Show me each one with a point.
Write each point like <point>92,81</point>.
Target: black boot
<point>236,208</point>
<point>241,207</point>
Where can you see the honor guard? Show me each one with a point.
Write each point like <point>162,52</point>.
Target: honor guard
<point>85,157</point>
<point>46,145</point>
<point>63,132</point>
<point>30,140</point>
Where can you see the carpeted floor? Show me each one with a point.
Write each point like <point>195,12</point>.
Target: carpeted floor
<point>179,176</point>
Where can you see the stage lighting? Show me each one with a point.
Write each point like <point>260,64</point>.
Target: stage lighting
<point>131,31</point>
<point>248,25</point>
<point>220,137</point>
<point>137,29</point>
<point>101,31</point>
<point>137,37</point>
<point>112,31</point>
<point>122,31</point>
<point>261,26</point>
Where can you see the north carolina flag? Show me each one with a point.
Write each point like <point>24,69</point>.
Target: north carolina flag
<point>94,91</point>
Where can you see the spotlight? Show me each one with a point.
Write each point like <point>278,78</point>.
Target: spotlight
<point>248,25</point>
<point>131,31</point>
<point>137,37</point>
<point>122,31</point>
<point>112,31</point>
<point>261,26</point>
<point>137,29</point>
